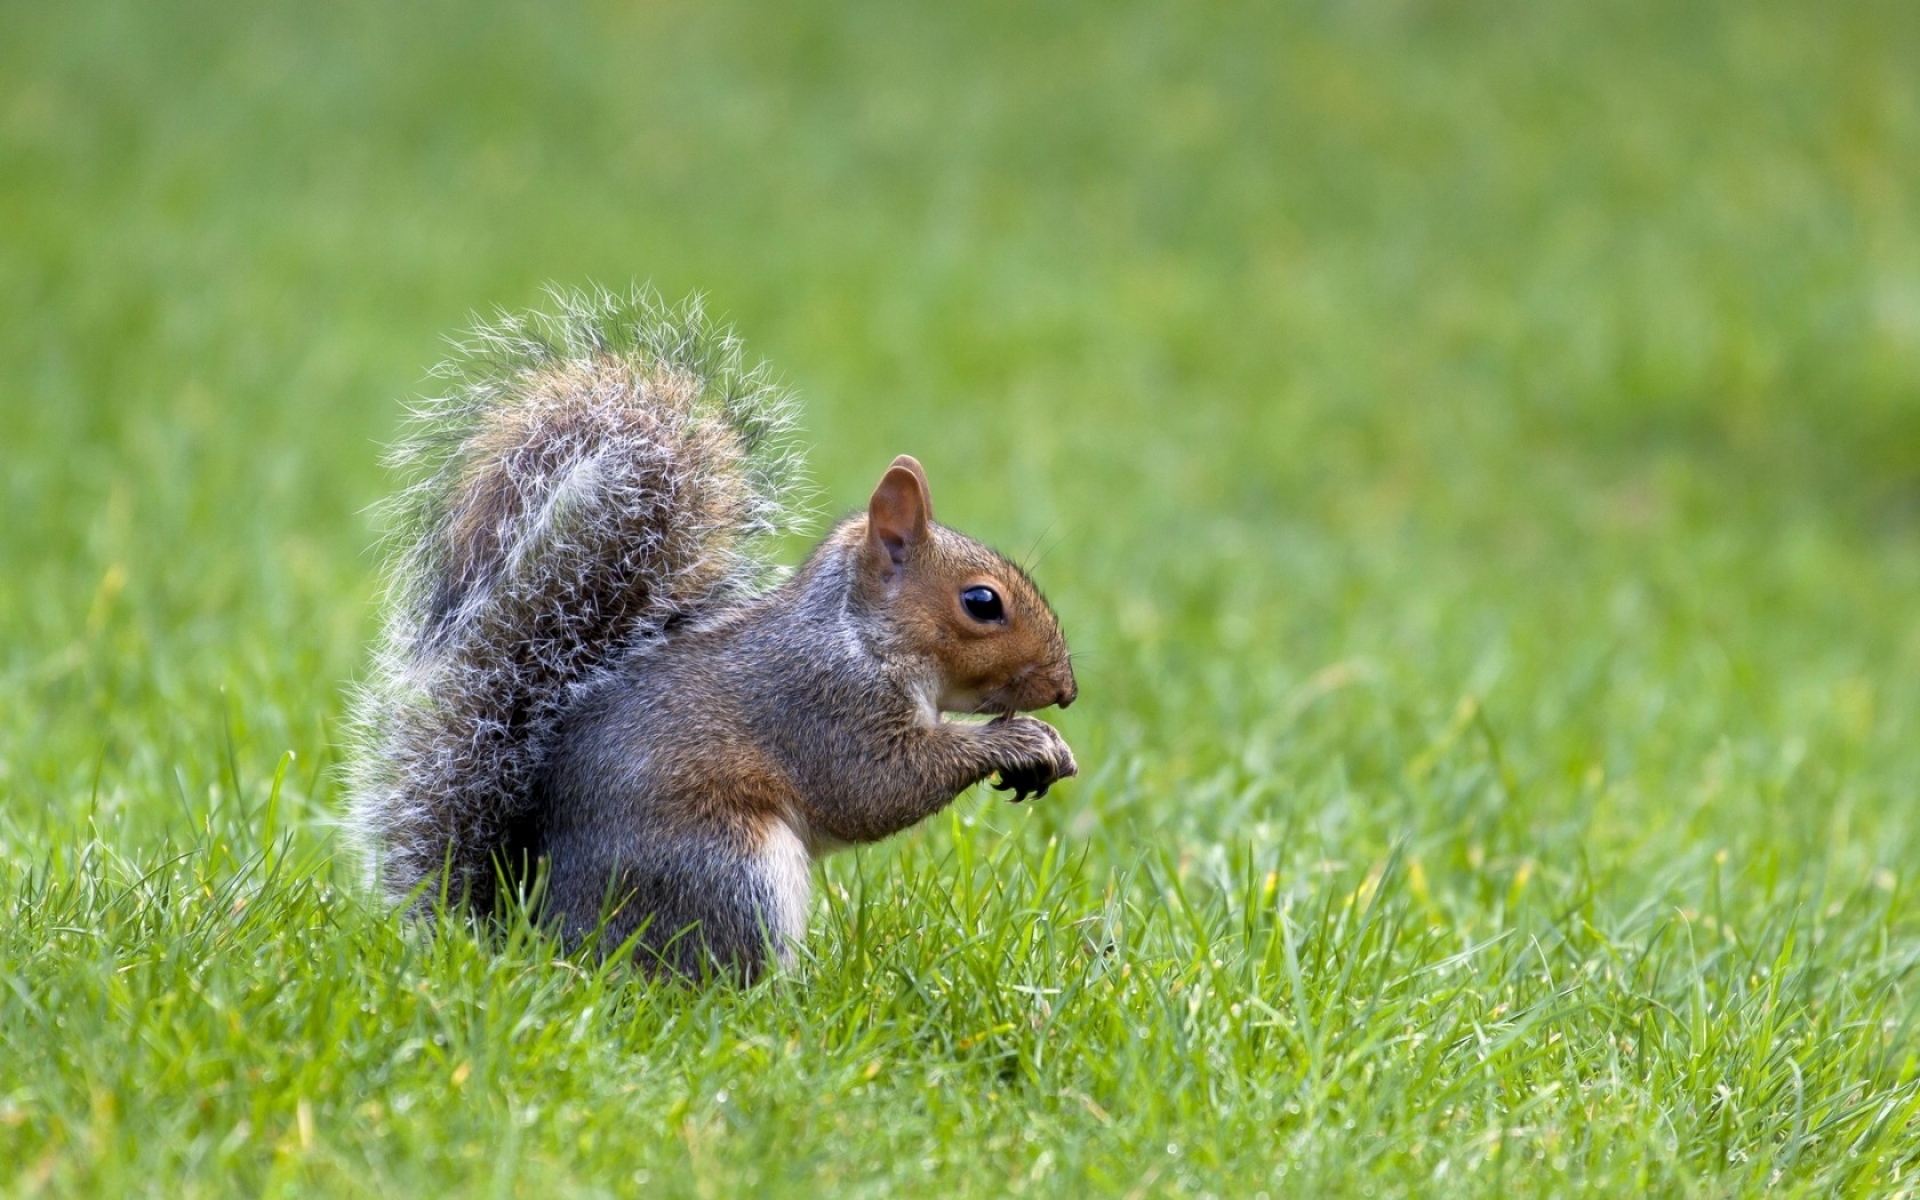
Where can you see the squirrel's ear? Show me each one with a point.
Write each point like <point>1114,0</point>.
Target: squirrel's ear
<point>898,514</point>
<point>911,463</point>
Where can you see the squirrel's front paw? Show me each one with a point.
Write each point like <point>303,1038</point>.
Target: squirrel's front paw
<point>1037,757</point>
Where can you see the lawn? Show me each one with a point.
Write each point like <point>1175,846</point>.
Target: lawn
<point>1474,450</point>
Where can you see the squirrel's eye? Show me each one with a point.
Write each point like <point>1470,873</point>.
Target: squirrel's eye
<point>982,604</point>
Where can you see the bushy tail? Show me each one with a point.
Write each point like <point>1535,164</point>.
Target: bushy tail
<point>594,474</point>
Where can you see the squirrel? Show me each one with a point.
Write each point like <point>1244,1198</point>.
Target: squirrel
<point>594,690</point>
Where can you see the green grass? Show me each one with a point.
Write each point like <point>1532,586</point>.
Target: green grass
<point>1474,448</point>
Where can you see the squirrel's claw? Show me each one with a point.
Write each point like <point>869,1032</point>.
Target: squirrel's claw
<point>1024,784</point>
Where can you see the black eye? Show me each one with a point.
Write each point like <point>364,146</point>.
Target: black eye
<point>982,604</point>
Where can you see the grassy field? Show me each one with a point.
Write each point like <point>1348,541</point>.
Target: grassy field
<point>1475,449</point>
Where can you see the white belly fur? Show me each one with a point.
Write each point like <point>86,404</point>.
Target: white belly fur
<point>787,868</point>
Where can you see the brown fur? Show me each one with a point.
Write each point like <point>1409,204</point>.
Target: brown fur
<point>814,706</point>
<point>585,667</point>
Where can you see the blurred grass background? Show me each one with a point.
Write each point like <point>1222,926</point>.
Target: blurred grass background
<point>1480,437</point>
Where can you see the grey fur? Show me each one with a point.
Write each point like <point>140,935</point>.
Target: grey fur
<point>596,552</point>
<point>589,671</point>
<point>807,710</point>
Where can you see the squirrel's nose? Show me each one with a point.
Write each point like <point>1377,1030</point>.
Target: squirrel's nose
<point>1067,695</point>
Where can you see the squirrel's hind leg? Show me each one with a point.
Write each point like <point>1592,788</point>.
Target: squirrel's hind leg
<point>701,904</point>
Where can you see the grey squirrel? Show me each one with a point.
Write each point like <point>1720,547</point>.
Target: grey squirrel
<point>594,686</point>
